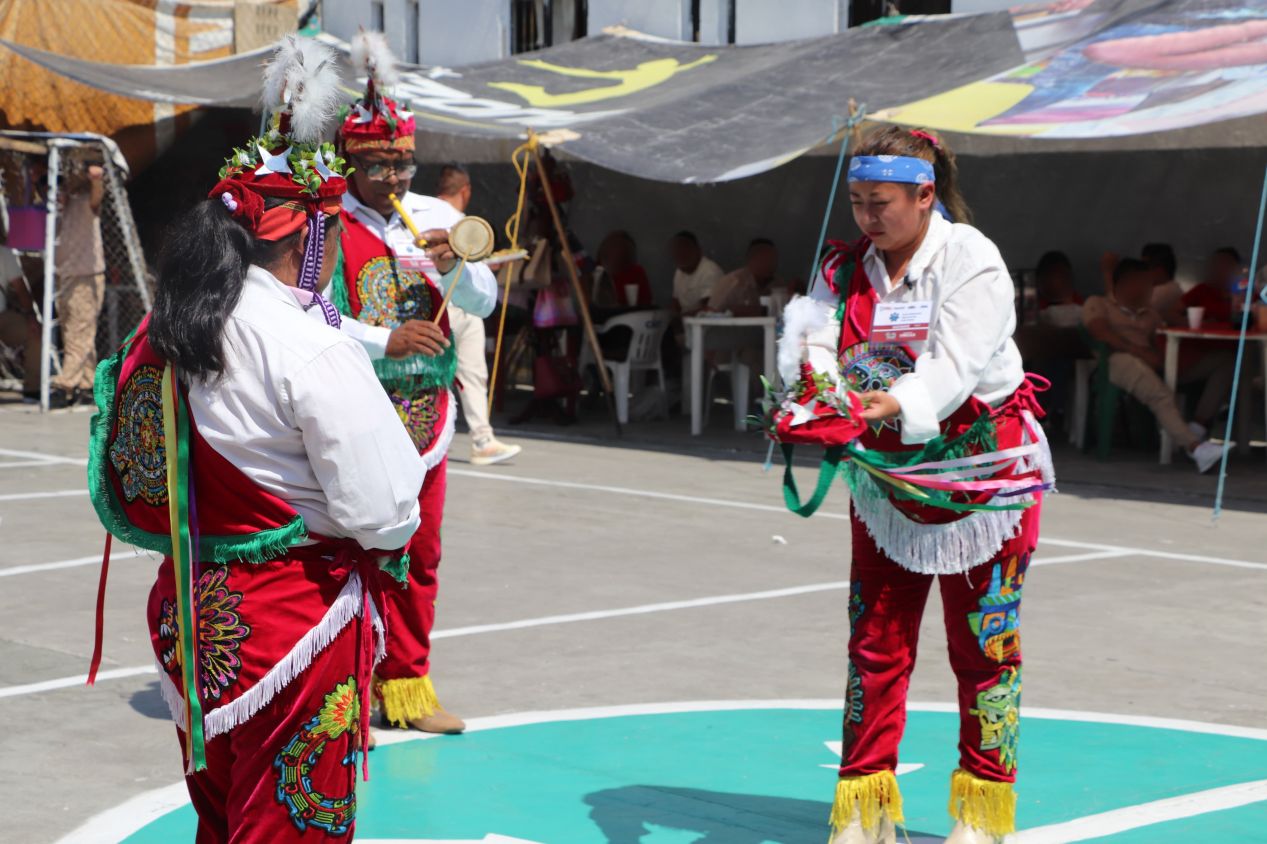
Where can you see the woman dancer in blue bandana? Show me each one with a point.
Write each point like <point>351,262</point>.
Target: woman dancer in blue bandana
<point>925,305</point>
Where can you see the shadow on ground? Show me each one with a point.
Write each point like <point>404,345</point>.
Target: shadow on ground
<point>149,702</point>
<point>650,814</point>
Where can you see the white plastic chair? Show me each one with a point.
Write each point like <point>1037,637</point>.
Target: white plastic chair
<point>740,378</point>
<point>648,329</point>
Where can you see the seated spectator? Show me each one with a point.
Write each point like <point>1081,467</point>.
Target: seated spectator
<point>695,275</point>
<point>740,292</point>
<point>19,328</point>
<point>1128,325</point>
<point>1215,292</point>
<point>1160,259</point>
<point>618,269</point>
<point>1059,304</point>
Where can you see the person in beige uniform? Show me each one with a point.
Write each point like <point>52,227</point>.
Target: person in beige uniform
<point>1128,325</point>
<point>81,284</point>
<point>469,337</point>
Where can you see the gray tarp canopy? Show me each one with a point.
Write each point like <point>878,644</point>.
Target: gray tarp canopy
<point>683,112</point>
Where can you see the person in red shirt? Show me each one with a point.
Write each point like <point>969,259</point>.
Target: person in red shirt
<point>618,260</point>
<point>1215,293</point>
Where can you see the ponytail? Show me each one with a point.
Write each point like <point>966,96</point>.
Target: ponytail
<point>201,270</point>
<point>920,143</point>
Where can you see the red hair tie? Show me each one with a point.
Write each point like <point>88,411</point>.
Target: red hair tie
<point>932,139</point>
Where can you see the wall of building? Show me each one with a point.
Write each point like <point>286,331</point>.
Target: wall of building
<point>446,33</point>
<point>761,21</point>
<point>663,18</point>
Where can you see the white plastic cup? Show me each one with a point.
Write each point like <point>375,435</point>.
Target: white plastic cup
<point>631,295</point>
<point>1195,316</point>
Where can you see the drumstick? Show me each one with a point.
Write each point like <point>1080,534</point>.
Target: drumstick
<point>457,278</point>
<point>409,223</point>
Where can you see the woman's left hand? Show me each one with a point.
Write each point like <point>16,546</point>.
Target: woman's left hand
<point>879,405</point>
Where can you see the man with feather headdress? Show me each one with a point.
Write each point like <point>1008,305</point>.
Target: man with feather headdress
<point>388,279</point>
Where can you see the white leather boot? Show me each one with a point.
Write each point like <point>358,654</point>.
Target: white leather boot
<point>964,834</point>
<point>854,833</point>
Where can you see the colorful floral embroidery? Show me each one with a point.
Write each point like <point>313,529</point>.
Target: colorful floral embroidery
<point>998,625</point>
<point>137,452</point>
<point>998,709</point>
<point>856,606</point>
<point>221,633</point>
<point>390,295</point>
<point>306,806</point>
<point>868,368</point>
<point>419,408</point>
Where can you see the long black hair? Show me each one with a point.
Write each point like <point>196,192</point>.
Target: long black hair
<point>201,269</point>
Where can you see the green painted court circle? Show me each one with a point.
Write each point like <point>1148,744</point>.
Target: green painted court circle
<point>763,772</point>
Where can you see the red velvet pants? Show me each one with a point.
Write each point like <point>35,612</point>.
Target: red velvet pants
<point>411,607</point>
<point>982,617</point>
<point>287,772</point>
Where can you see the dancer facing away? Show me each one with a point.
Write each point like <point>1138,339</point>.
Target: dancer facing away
<point>241,434</point>
<point>955,371</point>
<point>386,278</point>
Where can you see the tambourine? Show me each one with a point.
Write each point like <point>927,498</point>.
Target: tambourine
<point>471,239</point>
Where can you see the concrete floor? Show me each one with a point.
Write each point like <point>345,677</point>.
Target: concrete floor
<point>1140,606</point>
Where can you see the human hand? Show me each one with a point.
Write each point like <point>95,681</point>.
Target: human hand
<point>439,250</point>
<point>877,405</point>
<point>416,337</point>
<point>96,171</point>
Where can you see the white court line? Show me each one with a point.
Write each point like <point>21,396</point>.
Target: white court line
<point>30,496</point>
<point>44,458</point>
<point>745,505</point>
<point>118,823</point>
<point>25,463</point>
<point>70,564</point>
<point>77,680</point>
<point>1147,814</point>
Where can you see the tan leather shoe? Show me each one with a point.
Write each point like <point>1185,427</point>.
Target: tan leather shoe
<point>440,721</point>
<point>854,833</point>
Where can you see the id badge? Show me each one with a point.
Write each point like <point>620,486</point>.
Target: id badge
<point>408,255</point>
<point>901,322</point>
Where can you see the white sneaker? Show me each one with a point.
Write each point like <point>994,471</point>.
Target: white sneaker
<point>1198,430</point>
<point>1205,455</point>
<point>854,833</point>
<point>964,834</point>
<point>490,451</point>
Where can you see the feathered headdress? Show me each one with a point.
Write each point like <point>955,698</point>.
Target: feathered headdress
<point>376,121</point>
<point>290,161</point>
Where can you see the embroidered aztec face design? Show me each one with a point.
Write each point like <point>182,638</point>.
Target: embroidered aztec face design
<point>856,606</point>
<point>998,625</point>
<point>419,409</point>
<point>306,805</point>
<point>220,629</point>
<point>869,368</point>
<point>137,452</point>
<point>998,709</point>
<point>390,296</point>
<point>853,698</point>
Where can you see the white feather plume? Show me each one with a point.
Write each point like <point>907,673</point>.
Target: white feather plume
<point>371,55</point>
<point>302,79</point>
<point>802,318</point>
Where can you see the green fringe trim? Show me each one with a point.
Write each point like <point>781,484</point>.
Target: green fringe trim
<point>420,371</point>
<point>399,569</point>
<point>259,547</point>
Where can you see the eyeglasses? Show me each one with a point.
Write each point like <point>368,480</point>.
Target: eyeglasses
<point>381,171</point>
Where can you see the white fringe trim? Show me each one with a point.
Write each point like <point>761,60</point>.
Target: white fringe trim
<point>440,448</point>
<point>346,607</point>
<point>951,548</point>
<point>172,697</point>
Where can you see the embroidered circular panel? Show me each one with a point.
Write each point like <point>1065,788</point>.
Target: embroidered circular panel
<point>421,408</point>
<point>137,453</point>
<point>390,296</point>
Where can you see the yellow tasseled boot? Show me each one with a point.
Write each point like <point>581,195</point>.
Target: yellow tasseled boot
<point>866,810</point>
<point>411,703</point>
<point>984,810</point>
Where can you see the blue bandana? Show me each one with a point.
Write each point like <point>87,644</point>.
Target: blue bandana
<point>890,168</point>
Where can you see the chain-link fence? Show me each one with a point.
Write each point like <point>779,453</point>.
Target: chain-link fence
<point>66,216</point>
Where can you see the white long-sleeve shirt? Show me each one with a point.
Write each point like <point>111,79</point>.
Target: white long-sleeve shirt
<point>969,351</point>
<point>476,291</point>
<point>300,412</point>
